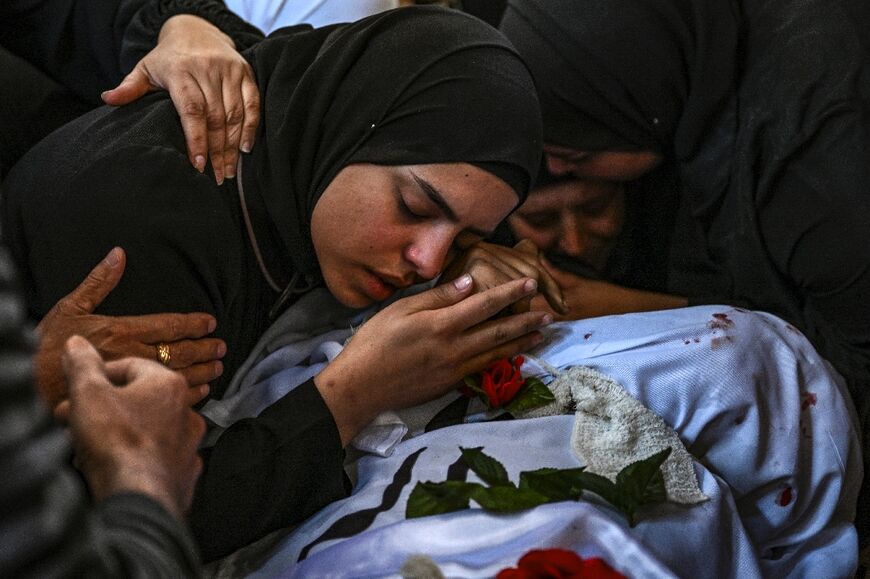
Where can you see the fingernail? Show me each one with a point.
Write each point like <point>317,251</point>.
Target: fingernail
<point>230,171</point>
<point>462,283</point>
<point>218,369</point>
<point>537,339</point>
<point>246,147</point>
<point>546,320</point>
<point>199,163</point>
<point>530,285</point>
<point>221,350</point>
<point>212,325</point>
<point>204,390</point>
<point>219,176</point>
<point>114,257</point>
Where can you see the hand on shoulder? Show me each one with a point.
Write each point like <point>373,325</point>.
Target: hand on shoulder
<point>211,85</point>
<point>196,357</point>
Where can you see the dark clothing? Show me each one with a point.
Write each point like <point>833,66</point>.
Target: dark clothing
<point>269,472</point>
<point>57,56</point>
<point>390,89</point>
<point>763,110</point>
<point>431,107</point>
<point>191,253</point>
<point>31,106</point>
<point>47,529</point>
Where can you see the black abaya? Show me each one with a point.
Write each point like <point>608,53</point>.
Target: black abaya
<point>403,87</point>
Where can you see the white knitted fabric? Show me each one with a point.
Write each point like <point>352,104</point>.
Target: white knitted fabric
<point>613,430</point>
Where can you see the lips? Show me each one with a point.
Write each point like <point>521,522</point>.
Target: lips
<point>377,287</point>
<point>396,282</point>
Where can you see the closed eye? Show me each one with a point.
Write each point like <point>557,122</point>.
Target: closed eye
<point>408,211</point>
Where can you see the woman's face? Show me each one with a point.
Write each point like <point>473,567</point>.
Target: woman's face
<point>577,218</point>
<point>601,165</point>
<point>380,228</point>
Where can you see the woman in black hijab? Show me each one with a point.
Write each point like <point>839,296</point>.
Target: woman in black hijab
<point>758,113</point>
<point>380,154</point>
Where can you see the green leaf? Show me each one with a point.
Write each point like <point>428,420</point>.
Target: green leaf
<point>473,384</point>
<point>642,483</point>
<point>487,468</point>
<point>533,394</point>
<point>431,498</point>
<point>600,485</point>
<point>555,484</point>
<point>501,499</point>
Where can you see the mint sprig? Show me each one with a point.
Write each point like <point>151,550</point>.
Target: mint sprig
<point>533,394</point>
<point>638,484</point>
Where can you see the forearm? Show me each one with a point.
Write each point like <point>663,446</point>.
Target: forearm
<point>596,298</point>
<point>338,388</point>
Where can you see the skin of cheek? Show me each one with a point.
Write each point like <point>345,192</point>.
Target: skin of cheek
<point>358,229</point>
<point>584,219</point>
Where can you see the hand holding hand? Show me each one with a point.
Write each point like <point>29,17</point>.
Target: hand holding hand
<point>132,426</point>
<point>418,348</point>
<point>211,84</point>
<point>589,298</point>
<point>493,265</point>
<point>196,358</point>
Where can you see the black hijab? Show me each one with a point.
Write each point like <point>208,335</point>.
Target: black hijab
<point>409,86</point>
<point>628,74</point>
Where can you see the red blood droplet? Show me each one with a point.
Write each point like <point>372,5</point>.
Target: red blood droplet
<point>785,497</point>
<point>810,399</point>
<point>720,322</point>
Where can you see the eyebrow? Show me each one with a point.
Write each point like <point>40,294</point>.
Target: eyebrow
<point>437,198</point>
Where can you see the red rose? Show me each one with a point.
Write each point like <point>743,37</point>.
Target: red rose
<point>559,564</point>
<point>501,381</point>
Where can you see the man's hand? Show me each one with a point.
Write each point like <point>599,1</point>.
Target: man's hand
<point>197,358</point>
<point>132,426</point>
<point>211,84</point>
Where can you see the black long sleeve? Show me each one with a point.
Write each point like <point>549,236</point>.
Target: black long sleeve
<point>187,250</point>
<point>267,473</point>
<point>47,528</point>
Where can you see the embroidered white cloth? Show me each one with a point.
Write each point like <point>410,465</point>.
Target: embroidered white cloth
<point>766,419</point>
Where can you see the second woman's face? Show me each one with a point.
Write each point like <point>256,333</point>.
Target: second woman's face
<point>379,228</point>
<point>600,165</point>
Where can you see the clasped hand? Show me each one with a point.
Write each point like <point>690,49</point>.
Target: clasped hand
<point>419,347</point>
<point>493,265</point>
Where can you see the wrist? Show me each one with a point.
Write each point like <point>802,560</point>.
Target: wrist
<point>341,393</point>
<point>129,473</point>
<point>185,26</point>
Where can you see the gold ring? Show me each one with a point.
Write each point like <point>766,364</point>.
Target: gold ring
<point>163,355</point>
